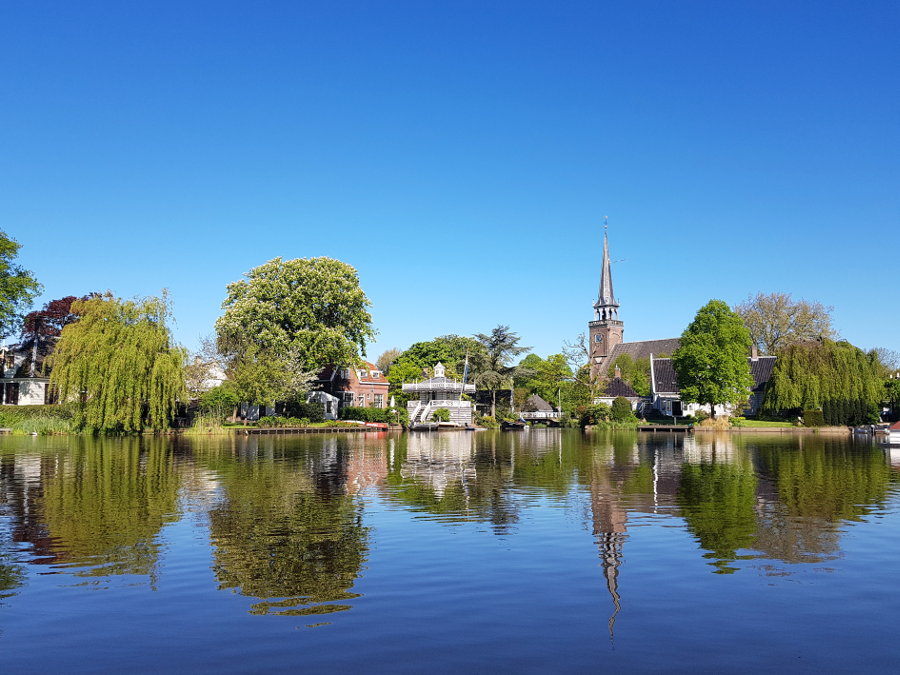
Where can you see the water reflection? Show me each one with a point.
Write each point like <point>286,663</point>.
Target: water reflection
<point>287,517</point>
<point>285,529</point>
<point>96,508</point>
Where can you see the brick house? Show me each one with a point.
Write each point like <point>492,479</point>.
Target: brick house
<point>363,386</point>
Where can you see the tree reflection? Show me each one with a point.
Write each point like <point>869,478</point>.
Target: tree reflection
<point>105,502</point>
<point>813,486</point>
<point>285,530</point>
<point>717,498</point>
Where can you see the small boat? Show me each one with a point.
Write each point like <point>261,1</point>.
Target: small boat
<point>518,425</point>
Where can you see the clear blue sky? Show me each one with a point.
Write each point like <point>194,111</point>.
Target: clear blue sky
<point>461,155</point>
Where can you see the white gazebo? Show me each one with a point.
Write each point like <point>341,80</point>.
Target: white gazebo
<point>439,392</point>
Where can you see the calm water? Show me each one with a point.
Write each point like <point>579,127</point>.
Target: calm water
<point>529,552</point>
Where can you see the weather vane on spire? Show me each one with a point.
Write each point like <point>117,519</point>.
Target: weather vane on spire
<point>605,222</point>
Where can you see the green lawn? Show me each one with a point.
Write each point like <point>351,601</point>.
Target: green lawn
<point>762,423</point>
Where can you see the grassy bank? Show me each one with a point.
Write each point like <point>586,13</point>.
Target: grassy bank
<point>37,419</point>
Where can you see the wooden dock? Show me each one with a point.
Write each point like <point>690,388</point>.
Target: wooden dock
<point>666,428</point>
<point>254,431</point>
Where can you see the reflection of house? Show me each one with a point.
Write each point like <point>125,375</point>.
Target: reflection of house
<point>439,392</point>
<point>363,386</point>
<point>667,399</point>
<point>439,460</point>
<point>22,381</point>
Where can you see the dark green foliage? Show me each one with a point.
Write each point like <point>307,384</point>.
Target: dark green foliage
<point>314,412</point>
<point>620,410</point>
<point>283,422</point>
<point>835,377</point>
<point>635,372</point>
<point>441,415</point>
<point>813,418</point>
<point>711,363</point>
<point>593,414</point>
<point>545,377</point>
<point>220,401</point>
<point>366,414</point>
<point>490,363</point>
<point>487,422</point>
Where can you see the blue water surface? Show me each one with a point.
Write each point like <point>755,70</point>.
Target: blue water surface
<point>548,550</point>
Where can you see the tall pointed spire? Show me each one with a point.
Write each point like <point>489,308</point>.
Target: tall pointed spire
<point>606,308</point>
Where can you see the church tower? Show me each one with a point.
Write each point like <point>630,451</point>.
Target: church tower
<point>605,331</point>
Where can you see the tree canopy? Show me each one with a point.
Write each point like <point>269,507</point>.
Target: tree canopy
<point>549,378</point>
<point>41,327</point>
<point>635,372</point>
<point>711,364</point>
<point>775,320</point>
<point>491,363</point>
<point>118,365</point>
<point>287,320</point>
<point>18,287</point>
<point>835,377</point>
<point>386,359</point>
<point>309,310</point>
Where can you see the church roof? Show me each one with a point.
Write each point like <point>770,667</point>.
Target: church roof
<point>761,369</point>
<point>606,298</point>
<point>619,387</point>
<point>643,350</point>
<point>665,381</point>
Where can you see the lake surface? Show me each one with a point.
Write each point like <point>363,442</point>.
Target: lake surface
<point>535,551</point>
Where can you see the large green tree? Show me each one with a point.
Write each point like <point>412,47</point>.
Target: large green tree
<point>287,319</point>
<point>545,377</point>
<point>18,286</point>
<point>491,364</point>
<point>118,365</point>
<point>309,309</point>
<point>836,377</point>
<point>776,320</point>
<point>711,364</point>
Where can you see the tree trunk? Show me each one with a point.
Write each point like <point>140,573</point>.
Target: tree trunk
<point>712,410</point>
<point>494,404</point>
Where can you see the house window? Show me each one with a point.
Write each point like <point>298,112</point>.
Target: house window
<point>379,400</point>
<point>344,373</point>
<point>11,393</point>
<point>347,397</point>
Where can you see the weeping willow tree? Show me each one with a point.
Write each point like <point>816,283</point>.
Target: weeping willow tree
<point>834,377</point>
<point>118,365</point>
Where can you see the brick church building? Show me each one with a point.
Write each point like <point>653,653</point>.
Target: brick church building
<point>606,334</point>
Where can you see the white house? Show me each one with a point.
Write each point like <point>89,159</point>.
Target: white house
<point>22,382</point>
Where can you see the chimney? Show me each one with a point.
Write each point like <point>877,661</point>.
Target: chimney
<point>618,372</point>
<point>754,352</point>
